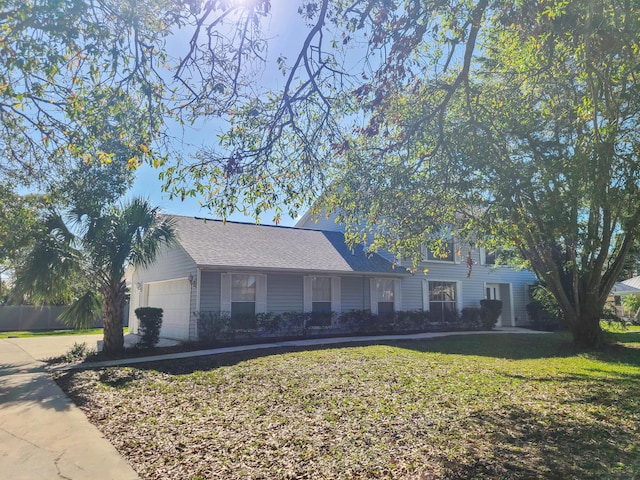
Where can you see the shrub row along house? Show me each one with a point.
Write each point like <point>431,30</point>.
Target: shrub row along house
<point>243,271</point>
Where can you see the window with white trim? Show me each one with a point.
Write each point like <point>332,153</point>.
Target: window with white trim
<point>443,301</point>
<point>385,295</point>
<point>444,252</point>
<point>243,295</point>
<point>322,298</point>
<point>243,300</point>
<point>320,301</point>
<point>498,257</point>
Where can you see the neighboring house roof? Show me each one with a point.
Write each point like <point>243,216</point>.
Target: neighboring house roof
<point>624,288</point>
<point>213,243</point>
<point>633,282</point>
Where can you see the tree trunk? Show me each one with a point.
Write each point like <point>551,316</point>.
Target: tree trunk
<point>586,330</point>
<point>113,307</point>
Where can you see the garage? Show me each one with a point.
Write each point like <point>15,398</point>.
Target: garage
<point>174,297</point>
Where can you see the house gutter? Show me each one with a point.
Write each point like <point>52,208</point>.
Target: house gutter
<point>244,268</point>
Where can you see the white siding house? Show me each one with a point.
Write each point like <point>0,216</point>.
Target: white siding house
<point>244,269</point>
<point>447,283</point>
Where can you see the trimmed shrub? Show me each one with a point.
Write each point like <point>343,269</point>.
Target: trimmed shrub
<point>150,324</point>
<point>541,318</point>
<point>355,320</point>
<point>411,320</point>
<point>267,322</point>
<point>471,317</point>
<point>293,323</point>
<point>490,310</point>
<point>213,326</point>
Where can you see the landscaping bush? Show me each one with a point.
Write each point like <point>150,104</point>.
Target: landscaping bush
<point>267,322</point>
<point>541,294</point>
<point>243,323</point>
<point>150,324</point>
<point>355,321</point>
<point>471,317</point>
<point>631,303</point>
<point>213,326</point>
<point>541,318</point>
<point>78,352</point>
<point>293,323</point>
<point>490,310</point>
<point>411,320</point>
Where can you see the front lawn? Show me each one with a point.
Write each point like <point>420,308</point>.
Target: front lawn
<point>473,406</point>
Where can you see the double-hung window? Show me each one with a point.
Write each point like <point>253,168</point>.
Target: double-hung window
<point>243,295</point>
<point>442,301</point>
<point>499,257</point>
<point>320,301</point>
<point>385,294</point>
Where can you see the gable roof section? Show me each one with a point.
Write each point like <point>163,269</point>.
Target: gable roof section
<point>213,243</point>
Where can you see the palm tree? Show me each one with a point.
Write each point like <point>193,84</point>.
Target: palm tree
<point>95,247</point>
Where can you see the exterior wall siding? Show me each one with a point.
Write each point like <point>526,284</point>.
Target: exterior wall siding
<point>320,222</point>
<point>412,292</point>
<point>284,293</point>
<point>355,293</point>
<point>210,291</point>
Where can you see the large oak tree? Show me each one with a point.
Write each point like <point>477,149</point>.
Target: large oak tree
<point>514,121</point>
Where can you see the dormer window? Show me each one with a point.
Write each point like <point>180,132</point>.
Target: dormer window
<point>443,251</point>
<point>498,257</point>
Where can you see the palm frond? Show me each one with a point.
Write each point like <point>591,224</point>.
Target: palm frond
<point>83,312</point>
<point>47,272</point>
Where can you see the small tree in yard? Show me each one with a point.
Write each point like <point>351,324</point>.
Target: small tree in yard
<point>98,246</point>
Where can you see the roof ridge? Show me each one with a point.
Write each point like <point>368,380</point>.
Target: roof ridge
<point>236,222</point>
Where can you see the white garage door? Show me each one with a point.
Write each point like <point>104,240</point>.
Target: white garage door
<point>174,298</point>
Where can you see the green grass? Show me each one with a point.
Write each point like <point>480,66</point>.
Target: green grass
<point>47,333</point>
<point>474,406</point>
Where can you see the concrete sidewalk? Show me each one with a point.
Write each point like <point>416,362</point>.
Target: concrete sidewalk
<point>43,435</point>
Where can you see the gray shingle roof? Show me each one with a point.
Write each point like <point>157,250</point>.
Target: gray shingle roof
<point>213,243</point>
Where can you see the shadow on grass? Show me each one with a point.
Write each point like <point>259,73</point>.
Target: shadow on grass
<point>521,444</point>
<point>508,346</point>
<point>503,346</point>
<point>623,337</point>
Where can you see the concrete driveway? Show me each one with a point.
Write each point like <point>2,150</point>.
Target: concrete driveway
<point>42,434</point>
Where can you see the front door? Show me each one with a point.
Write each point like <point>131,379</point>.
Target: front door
<point>493,293</point>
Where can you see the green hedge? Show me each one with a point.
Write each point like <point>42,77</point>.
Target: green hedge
<point>150,325</point>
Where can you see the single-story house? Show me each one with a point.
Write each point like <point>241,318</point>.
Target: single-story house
<point>245,269</point>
